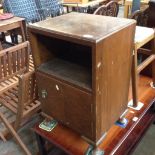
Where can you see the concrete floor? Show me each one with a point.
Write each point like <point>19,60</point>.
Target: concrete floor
<point>145,147</point>
<point>11,148</point>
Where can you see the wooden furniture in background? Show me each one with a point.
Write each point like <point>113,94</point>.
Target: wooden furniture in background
<point>151,19</point>
<point>110,9</point>
<point>28,103</point>
<point>12,24</point>
<point>18,92</point>
<point>77,68</point>
<point>82,7</point>
<point>145,17</point>
<point>128,5</point>
<point>142,36</point>
<point>118,141</point>
<point>14,61</point>
<point>76,1</point>
<point>137,15</point>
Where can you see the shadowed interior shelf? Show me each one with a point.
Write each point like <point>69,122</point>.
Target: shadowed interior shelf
<point>68,72</point>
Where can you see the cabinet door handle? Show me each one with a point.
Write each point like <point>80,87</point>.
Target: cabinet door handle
<point>43,93</point>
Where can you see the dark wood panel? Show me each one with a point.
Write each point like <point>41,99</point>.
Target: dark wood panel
<point>80,27</point>
<point>113,77</point>
<point>69,72</point>
<point>50,103</point>
<point>94,71</point>
<point>78,110</point>
<point>67,104</point>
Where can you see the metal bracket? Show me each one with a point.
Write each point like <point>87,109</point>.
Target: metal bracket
<point>43,93</point>
<point>152,85</point>
<point>92,151</point>
<point>139,105</point>
<point>89,150</point>
<point>98,152</point>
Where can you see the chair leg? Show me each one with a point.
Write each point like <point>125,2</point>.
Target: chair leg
<point>14,38</point>
<point>2,137</point>
<point>18,121</point>
<point>14,133</point>
<point>23,31</point>
<point>134,79</point>
<point>1,47</point>
<point>153,63</point>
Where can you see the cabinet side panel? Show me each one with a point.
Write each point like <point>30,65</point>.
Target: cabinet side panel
<point>113,68</point>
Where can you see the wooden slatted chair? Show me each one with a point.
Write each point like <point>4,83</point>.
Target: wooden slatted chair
<point>4,45</point>
<point>14,62</point>
<point>144,45</point>
<point>22,101</point>
<point>17,91</point>
<point>27,103</point>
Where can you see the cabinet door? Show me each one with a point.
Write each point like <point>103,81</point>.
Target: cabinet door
<point>67,104</point>
<point>51,96</point>
<point>78,110</point>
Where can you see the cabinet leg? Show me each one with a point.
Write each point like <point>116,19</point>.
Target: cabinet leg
<point>98,152</point>
<point>153,63</point>
<point>41,145</point>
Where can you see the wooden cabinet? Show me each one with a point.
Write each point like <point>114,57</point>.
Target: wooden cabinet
<point>83,67</point>
<point>70,106</point>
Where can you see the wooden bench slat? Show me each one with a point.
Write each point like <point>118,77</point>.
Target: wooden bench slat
<point>13,97</point>
<point>0,68</point>
<point>9,100</point>
<point>7,105</point>
<point>14,60</point>
<point>35,107</point>
<point>4,66</point>
<point>10,63</point>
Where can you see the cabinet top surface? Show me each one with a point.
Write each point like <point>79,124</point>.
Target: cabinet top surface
<point>82,26</point>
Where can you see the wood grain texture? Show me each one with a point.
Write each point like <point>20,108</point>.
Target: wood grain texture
<point>112,78</point>
<point>118,141</point>
<point>91,43</point>
<point>73,107</point>
<point>79,25</point>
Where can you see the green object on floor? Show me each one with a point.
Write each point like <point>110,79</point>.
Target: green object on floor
<point>48,125</point>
